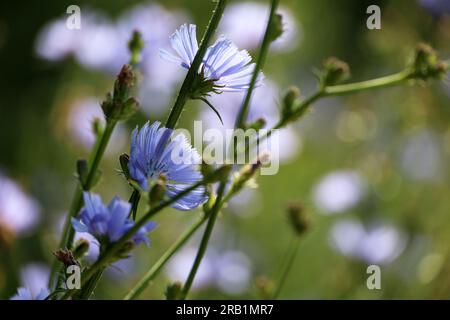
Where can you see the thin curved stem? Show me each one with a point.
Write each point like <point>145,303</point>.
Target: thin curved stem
<point>183,95</point>
<point>115,247</point>
<point>77,201</point>
<point>243,112</point>
<point>91,285</point>
<point>154,270</point>
<point>377,83</point>
<point>287,268</point>
<point>204,242</point>
<point>338,90</point>
<point>240,121</point>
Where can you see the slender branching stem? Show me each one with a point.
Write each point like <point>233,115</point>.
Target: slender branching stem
<point>387,81</point>
<point>77,201</point>
<point>185,89</point>
<point>287,267</point>
<point>205,240</point>
<point>108,255</point>
<point>243,112</point>
<point>183,96</point>
<point>89,288</point>
<point>154,270</point>
<point>240,121</point>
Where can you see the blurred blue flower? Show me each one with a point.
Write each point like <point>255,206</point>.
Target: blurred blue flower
<point>436,7</point>
<point>110,222</point>
<point>25,294</point>
<point>377,243</point>
<point>155,153</point>
<point>228,68</point>
<point>246,21</point>
<point>19,213</point>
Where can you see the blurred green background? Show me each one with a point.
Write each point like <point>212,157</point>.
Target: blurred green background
<point>371,169</point>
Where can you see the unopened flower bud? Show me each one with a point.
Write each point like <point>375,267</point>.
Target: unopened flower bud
<point>258,124</point>
<point>66,257</point>
<point>290,101</point>
<point>265,287</point>
<point>299,222</point>
<point>245,174</point>
<point>276,27</point>
<point>173,291</point>
<point>123,84</point>
<point>335,71</point>
<point>426,63</point>
<point>97,127</point>
<point>135,45</point>
<point>124,252</point>
<point>157,192</point>
<point>81,248</point>
<point>120,105</point>
<point>129,108</point>
<point>219,175</point>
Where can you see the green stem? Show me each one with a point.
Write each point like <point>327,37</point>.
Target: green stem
<point>205,240</point>
<point>185,89</point>
<point>134,201</point>
<point>382,82</point>
<point>338,90</point>
<point>154,270</point>
<point>240,121</point>
<point>8,261</point>
<point>115,247</point>
<point>243,112</point>
<point>77,201</point>
<point>91,285</point>
<point>287,268</point>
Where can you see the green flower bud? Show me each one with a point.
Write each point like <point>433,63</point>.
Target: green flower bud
<point>276,27</point>
<point>173,291</point>
<point>265,287</point>
<point>124,83</point>
<point>335,71</point>
<point>244,175</point>
<point>81,248</point>
<point>218,175</point>
<point>258,124</point>
<point>129,108</point>
<point>290,101</point>
<point>120,105</point>
<point>299,222</point>
<point>124,252</point>
<point>158,191</point>
<point>426,64</point>
<point>135,45</point>
<point>97,126</point>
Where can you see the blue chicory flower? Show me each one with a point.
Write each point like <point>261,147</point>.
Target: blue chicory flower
<point>110,222</point>
<point>228,68</point>
<point>154,152</point>
<point>26,294</point>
